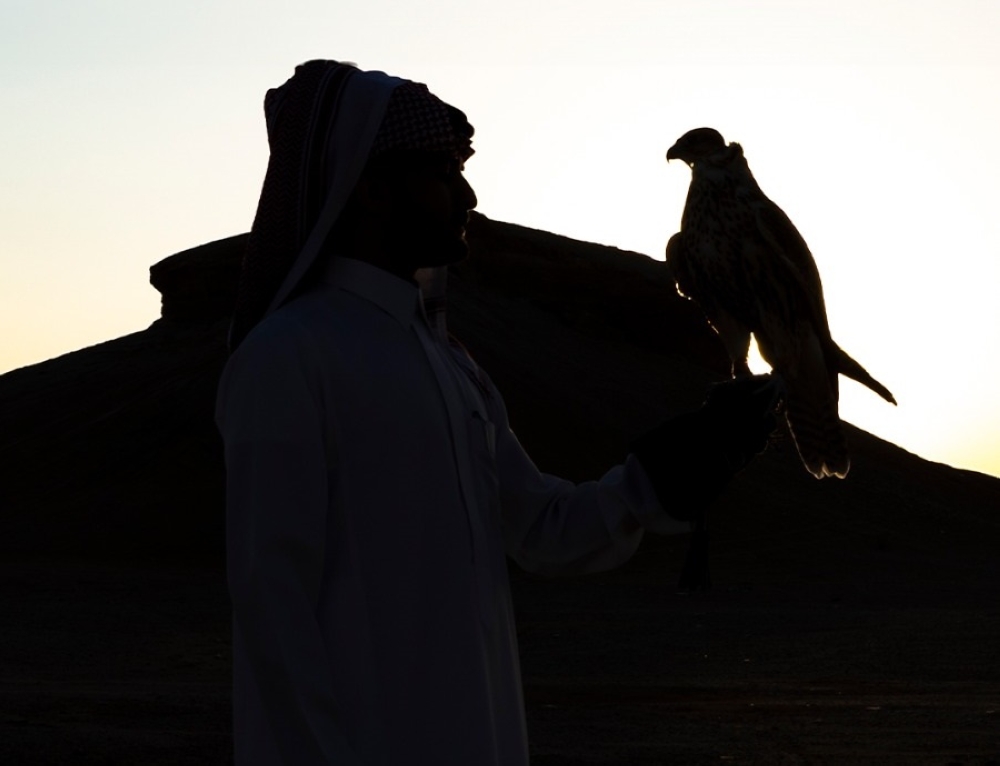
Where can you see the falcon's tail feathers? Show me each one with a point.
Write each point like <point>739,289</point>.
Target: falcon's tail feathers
<point>811,412</point>
<point>819,437</point>
<point>853,370</point>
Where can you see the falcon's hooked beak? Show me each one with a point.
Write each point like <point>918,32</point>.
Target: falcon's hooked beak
<point>674,153</point>
<point>695,145</point>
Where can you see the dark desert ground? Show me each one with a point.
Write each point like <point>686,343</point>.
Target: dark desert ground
<point>851,622</point>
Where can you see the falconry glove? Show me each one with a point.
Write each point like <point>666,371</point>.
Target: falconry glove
<point>741,415</point>
<point>690,458</point>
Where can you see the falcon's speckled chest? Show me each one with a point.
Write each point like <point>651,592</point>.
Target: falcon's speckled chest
<point>718,222</point>
<point>717,216</point>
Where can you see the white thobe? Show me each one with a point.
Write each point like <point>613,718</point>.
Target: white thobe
<point>374,489</point>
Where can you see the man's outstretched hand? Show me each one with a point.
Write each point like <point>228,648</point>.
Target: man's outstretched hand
<point>691,457</point>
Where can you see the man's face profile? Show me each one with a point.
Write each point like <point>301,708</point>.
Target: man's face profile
<point>429,204</point>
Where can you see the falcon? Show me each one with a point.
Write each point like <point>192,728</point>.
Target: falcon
<point>743,261</point>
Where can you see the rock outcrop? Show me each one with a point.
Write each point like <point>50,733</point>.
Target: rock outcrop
<point>111,451</point>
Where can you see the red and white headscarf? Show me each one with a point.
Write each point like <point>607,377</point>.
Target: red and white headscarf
<point>323,125</point>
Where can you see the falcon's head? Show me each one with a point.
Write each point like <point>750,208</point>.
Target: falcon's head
<point>696,145</point>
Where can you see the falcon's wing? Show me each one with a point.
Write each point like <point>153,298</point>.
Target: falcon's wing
<point>678,267</point>
<point>780,233</point>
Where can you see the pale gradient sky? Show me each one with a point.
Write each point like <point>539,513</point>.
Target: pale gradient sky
<point>133,130</point>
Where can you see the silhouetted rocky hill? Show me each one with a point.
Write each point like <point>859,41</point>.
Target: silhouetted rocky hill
<point>852,621</point>
<point>111,450</point>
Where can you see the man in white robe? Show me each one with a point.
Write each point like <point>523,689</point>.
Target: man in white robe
<point>374,488</point>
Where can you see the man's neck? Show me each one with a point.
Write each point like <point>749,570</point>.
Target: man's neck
<point>382,260</point>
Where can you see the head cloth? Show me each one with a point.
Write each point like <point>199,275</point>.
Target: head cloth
<point>323,125</point>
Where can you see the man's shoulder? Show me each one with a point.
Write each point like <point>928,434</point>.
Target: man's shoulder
<point>278,354</point>
<point>281,328</point>
<point>303,324</point>
<point>297,318</point>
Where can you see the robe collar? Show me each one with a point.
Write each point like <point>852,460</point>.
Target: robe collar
<point>397,297</point>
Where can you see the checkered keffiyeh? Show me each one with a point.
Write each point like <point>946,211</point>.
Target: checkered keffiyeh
<point>322,125</point>
<point>416,119</point>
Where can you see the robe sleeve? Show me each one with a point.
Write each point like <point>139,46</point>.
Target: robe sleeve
<point>270,414</point>
<point>553,526</point>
